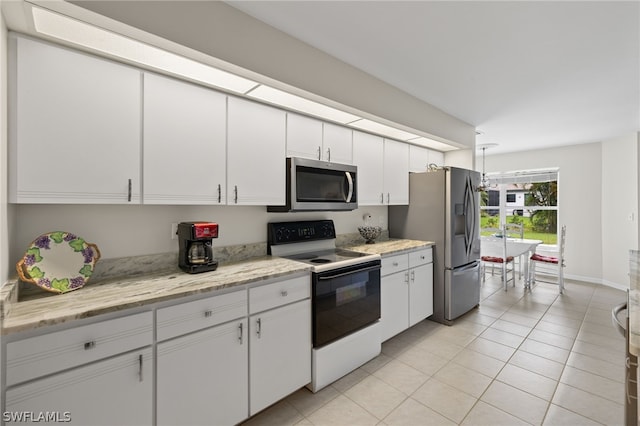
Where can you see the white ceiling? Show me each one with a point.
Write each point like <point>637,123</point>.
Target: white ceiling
<point>527,74</point>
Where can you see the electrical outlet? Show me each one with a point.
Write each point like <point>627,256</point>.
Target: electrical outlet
<point>174,231</point>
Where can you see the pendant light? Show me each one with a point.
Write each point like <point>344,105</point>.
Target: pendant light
<point>484,182</point>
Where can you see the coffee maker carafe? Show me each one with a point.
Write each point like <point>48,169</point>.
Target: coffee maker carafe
<point>196,252</point>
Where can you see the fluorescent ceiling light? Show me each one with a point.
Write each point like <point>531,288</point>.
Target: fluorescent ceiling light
<point>382,129</point>
<point>94,38</point>
<point>430,143</point>
<point>297,103</point>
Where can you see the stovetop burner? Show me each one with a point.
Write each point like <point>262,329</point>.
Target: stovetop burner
<point>320,260</point>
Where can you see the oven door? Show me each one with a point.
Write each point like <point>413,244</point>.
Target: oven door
<point>345,300</point>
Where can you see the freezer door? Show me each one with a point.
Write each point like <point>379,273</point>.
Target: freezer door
<point>462,213</point>
<point>462,290</point>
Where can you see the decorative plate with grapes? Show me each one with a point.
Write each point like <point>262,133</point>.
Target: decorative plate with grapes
<point>58,262</point>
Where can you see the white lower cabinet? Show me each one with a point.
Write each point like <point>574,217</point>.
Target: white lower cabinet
<point>280,341</point>
<point>218,360</point>
<point>224,358</point>
<point>406,291</point>
<point>115,391</point>
<point>280,360</point>
<point>203,377</point>
<point>96,374</point>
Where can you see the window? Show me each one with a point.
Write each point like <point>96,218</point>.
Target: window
<point>529,197</point>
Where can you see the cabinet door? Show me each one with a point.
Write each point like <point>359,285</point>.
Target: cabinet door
<point>418,159</point>
<point>116,391</point>
<point>396,172</point>
<point>256,160</point>
<point>304,137</point>
<point>394,304</point>
<point>337,145</point>
<point>202,377</point>
<point>184,143</point>
<point>368,155</point>
<point>420,293</point>
<point>280,360</point>
<point>436,158</point>
<point>76,127</point>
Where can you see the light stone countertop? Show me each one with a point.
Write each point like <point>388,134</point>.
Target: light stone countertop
<point>390,247</point>
<point>122,292</point>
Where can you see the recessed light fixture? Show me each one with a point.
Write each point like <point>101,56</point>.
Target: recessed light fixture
<point>297,103</point>
<point>116,45</point>
<point>382,129</point>
<point>430,143</point>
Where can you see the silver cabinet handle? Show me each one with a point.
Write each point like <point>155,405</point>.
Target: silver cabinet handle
<point>413,276</point>
<point>284,293</point>
<point>319,153</point>
<point>240,333</point>
<point>406,277</point>
<point>388,198</point>
<point>208,314</point>
<point>329,154</point>
<point>219,193</point>
<point>140,367</point>
<point>89,345</point>
<point>259,328</point>
<point>422,257</point>
<point>129,191</point>
<point>235,192</point>
<point>382,198</point>
<point>395,263</point>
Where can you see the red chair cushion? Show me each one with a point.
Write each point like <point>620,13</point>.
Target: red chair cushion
<point>546,259</point>
<point>496,259</point>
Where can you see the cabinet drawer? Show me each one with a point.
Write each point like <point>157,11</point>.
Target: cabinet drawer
<point>46,354</point>
<point>420,257</point>
<point>277,294</point>
<point>393,264</point>
<point>191,316</point>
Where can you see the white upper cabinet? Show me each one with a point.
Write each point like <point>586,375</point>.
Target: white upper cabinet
<point>420,158</point>
<point>184,142</point>
<point>304,137</point>
<point>368,155</point>
<point>311,138</point>
<point>256,154</point>
<point>383,170</point>
<point>337,144</point>
<point>396,172</point>
<point>436,157</point>
<point>74,127</point>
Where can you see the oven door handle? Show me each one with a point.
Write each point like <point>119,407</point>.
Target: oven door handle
<point>330,277</point>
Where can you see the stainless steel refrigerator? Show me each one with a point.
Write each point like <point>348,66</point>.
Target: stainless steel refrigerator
<point>444,208</point>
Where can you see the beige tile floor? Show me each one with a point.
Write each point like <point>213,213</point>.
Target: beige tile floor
<point>519,358</point>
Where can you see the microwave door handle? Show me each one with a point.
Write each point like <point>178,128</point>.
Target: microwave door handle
<point>350,180</point>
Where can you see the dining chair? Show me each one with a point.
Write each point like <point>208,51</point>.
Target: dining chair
<point>556,262</point>
<point>502,260</point>
<point>515,230</point>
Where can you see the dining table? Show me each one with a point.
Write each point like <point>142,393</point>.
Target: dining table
<point>492,245</point>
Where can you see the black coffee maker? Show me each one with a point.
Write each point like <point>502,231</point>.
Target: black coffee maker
<point>196,251</point>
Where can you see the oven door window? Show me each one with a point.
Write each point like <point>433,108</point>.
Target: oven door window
<point>344,301</point>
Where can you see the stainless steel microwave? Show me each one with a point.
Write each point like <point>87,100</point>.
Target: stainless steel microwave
<point>314,185</point>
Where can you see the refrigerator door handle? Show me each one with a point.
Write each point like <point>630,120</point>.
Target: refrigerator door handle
<point>467,268</point>
<point>469,216</point>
